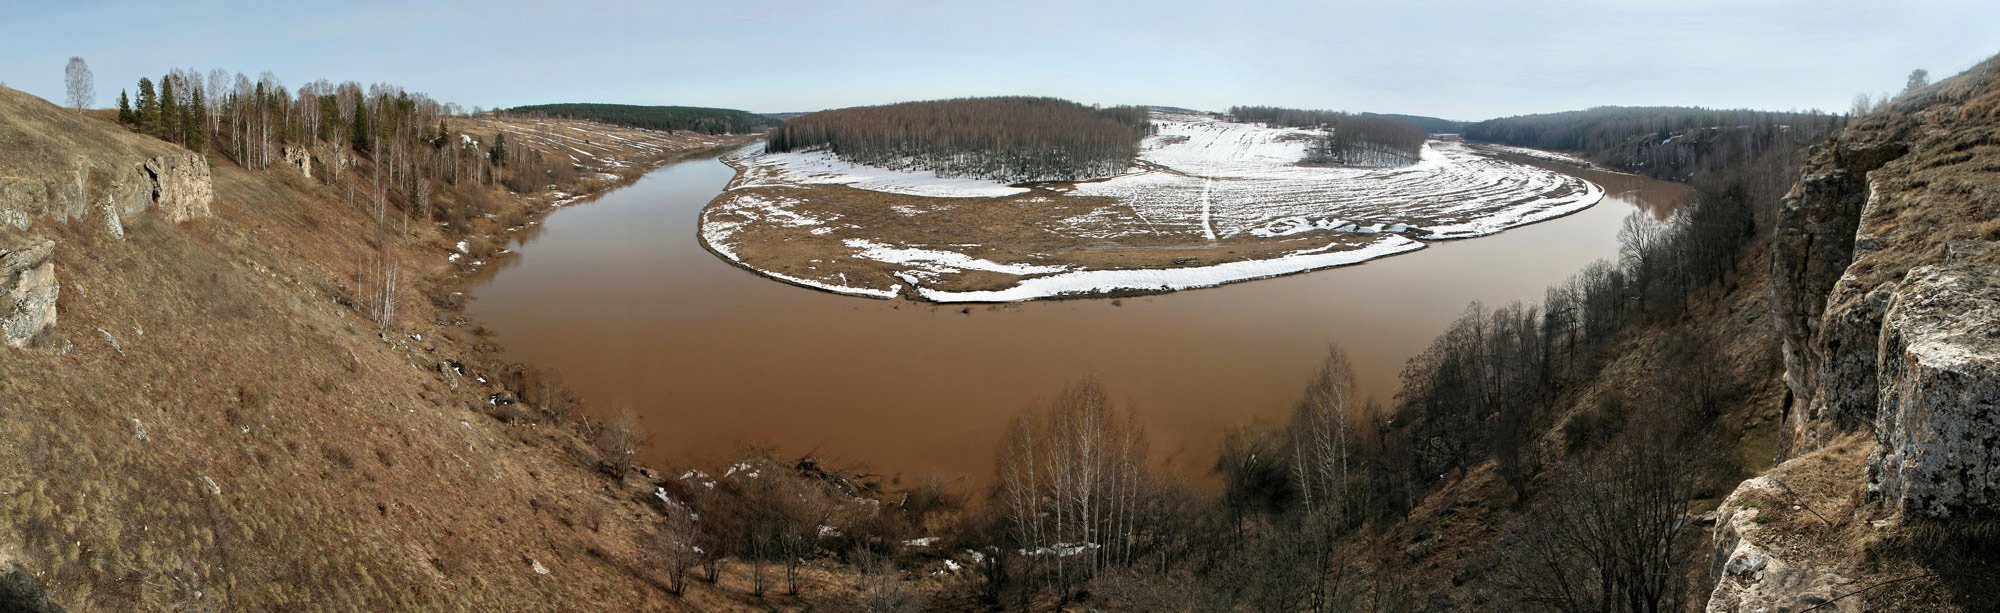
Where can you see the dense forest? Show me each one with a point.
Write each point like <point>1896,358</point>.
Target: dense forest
<point>1433,125</point>
<point>697,119</point>
<point>1664,142</point>
<point>1012,139</point>
<point>1345,139</point>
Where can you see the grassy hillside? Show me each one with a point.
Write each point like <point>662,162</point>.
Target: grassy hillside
<point>216,423</point>
<point>698,119</point>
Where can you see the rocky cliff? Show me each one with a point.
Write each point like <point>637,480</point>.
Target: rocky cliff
<point>64,168</point>
<point>1893,218</point>
<point>1886,292</point>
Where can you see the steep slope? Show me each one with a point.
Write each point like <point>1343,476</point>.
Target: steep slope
<point>212,422</point>
<point>1886,289</point>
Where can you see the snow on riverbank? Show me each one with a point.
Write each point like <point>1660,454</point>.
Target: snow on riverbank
<point>1087,282</point>
<point>720,223</point>
<point>1200,181</point>
<point>822,168</point>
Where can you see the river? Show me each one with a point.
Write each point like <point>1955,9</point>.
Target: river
<point>619,295</point>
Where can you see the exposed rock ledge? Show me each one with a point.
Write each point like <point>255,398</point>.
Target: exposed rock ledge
<point>27,291</point>
<point>180,186</point>
<point>1938,417</point>
<point>1786,540</point>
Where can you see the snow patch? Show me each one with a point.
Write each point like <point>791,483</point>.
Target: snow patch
<point>1087,282</point>
<point>823,168</point>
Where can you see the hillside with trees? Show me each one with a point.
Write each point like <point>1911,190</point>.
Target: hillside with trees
<point>1662,142</point>
<point>1345,139</point>
<point>692,118</point>
<point>1011,139</point>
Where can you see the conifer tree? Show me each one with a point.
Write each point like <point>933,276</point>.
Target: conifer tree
<point>193,122</point>
<point>361,127</point>
<point>149,107</point>
<point>169,123</point>
<point>499,151</point>
<point>125,116</point>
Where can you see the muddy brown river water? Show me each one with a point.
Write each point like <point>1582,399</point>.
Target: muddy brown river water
<point>619,295</point>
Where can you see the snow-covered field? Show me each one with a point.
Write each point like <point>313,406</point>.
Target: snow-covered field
<point>1200,183</point>
<point>822,168</point>
<point>1211,176</point>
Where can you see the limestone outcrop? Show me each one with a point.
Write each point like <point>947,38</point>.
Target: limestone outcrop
<point>1885,280</point>
<point>182,187</point>
<point>179,185</point>
<point>1938,427</point>
<point>27,291</point>
<point>1814,246</point>
<point>301,158</point>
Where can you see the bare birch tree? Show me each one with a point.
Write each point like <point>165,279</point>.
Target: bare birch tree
<point>81,86</point>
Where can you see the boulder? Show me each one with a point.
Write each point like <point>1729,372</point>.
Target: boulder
<point>1937,425</point>
<point>27,291</point>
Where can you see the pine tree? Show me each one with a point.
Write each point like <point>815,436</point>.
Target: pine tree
<point>125,116</point>
<point>149,107</point>
<point>499,151</point>
<point>195,120</point>
<point>361,127</point>
<point>169,122</point>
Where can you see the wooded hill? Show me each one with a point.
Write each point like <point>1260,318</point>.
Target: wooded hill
<point>1664,142</point>
<point>1013,139</point>
<point>698,119</point>
<point>1346,139</point>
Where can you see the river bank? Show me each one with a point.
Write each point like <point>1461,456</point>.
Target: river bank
<point>624,299</point>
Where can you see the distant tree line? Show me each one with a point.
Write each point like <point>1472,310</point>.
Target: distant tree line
<point>1345,139</point>
<point>689,118</point>
<point>1012,139</point>
<point>1663,142</point>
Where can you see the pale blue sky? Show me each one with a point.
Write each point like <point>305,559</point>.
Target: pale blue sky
<point>1461,59</point>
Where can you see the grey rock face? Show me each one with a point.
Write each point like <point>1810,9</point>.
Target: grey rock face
<point>1815,244</point>
<point>182,187</point>
<point>27,291</point>
<point>1750,569</point>
<point>1937,427</point>
<point>300,158</point>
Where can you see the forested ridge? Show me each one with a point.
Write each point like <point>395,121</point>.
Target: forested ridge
<point>1664,142</point>
<point>698,119</point>
<point>1012,139</point>
<point>1345,139</point>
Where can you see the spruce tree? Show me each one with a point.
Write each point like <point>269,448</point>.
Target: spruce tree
<point>361,127</point>
<point>149,107</point>
<point>169,123</point>
<point>499,151</point>
<point>196,122</point>
<point>125,117</point>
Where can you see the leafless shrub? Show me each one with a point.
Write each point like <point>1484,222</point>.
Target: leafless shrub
<point>619,439</point>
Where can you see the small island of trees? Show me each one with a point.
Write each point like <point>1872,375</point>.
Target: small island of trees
<point>1345,139</point>
<point>1014,139</point>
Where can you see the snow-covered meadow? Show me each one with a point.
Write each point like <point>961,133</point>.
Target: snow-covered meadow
<point>1203,176</point>
<point>1201,186</point>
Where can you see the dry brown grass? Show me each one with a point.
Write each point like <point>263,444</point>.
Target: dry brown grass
<point>1016,229</point>
<point>262,445</point>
